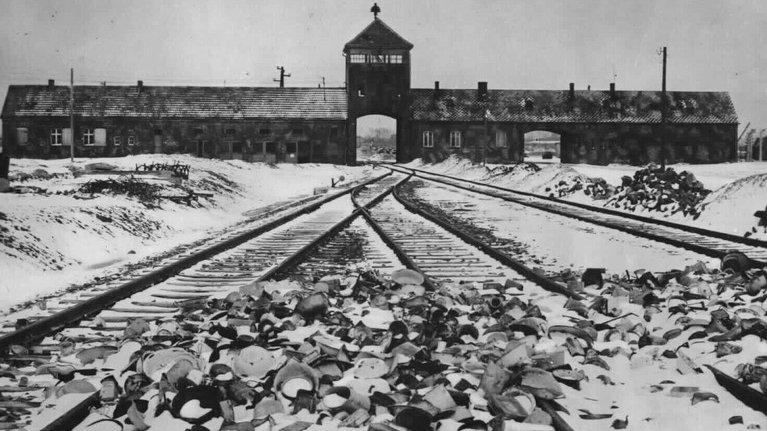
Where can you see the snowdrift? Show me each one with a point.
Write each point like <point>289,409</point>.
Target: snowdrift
<point>52,235</point>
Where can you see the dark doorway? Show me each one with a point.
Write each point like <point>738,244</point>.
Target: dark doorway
<point>290,152</point>
<point>376,138</point>
<point>157,141</point>
<point>304,152</point>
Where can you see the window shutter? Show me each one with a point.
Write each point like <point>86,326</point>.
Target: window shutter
<point>66,136</point>
<point>100,137</point>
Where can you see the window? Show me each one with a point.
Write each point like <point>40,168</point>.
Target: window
<point>264,131</point>
<point>376,58</point>
<point>132,140</point>
<point>297,131</point>
<point>500,139</point>
<point>67,136</point>
<point>361,92</point>
<point>428,139</point>
<point>333,132</point>
<point>117,141</point>
<point>88,137</point>
<point>229,132</point>
<point>57,137</point>
<point>198,131</point>
<point>455,139</point>
<point>22,135</point>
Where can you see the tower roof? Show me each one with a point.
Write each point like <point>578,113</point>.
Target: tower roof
<point>378,35</point>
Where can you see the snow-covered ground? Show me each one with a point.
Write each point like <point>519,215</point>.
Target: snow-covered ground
<point>51,236</point>
<point>738,189</point>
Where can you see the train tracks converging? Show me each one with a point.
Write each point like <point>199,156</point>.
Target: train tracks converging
<point>703,241</point>
<point>378,228</point>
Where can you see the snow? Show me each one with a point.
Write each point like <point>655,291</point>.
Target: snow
<point>52,239</point>
<point>731,208</point>
<point>556,242</point>
<point>739,189</point>
<point>713,175</point>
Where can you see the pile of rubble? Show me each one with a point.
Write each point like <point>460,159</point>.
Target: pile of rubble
<point>361,350</point>
<point>657,189</point>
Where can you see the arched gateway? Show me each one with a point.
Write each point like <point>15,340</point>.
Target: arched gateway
<point>378,78</point>
<point>599,126</point>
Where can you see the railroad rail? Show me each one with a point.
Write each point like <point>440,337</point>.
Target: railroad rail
<point>257,254</point>
<point>704,241</point>
<point>297,244</point>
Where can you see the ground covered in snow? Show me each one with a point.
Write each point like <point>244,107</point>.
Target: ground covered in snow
<point>54,232</point>
<point>730,195</point>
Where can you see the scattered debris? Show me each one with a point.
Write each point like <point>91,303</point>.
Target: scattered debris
<point>358,349</point>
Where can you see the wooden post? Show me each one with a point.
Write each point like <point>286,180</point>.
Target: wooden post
<point>72,114</point>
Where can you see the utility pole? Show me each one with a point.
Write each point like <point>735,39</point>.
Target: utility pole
<point>323,89</point>
<point>663,104</point>
<point>72,115</point>
<point>283,75</point>
<point>663,84</point>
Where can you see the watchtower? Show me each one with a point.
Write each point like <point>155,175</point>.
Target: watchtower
<point>377,70</point>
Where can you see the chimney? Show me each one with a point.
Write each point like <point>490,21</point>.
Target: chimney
<point>51,84</point>
<point>482,90</point>
<point>436,85</point>
<point>140,85</point>
<point>572,90</point>
<point>612,89</point>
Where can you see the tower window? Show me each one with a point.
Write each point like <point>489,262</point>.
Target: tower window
<point>428,139</point>
<point>376,58</point>
<point>455,139</point>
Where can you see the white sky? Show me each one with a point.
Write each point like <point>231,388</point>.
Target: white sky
<point>541,44</point>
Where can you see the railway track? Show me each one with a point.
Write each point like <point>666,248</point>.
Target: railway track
<point>295,249</point>
<point>707,242</point>
<point>325,239</point>
<point>100,315</point>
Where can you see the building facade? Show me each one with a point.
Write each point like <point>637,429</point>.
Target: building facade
<point>319,124</point>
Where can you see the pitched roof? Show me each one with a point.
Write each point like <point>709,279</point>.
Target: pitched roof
<point>585,107</point>
<point>378,35</point>
<point>178,102</point>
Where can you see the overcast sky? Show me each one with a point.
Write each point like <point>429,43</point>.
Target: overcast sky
<point>526,44</point>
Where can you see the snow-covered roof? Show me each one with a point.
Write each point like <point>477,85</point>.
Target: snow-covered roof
<point>178,102</point>
<point>585,106</point>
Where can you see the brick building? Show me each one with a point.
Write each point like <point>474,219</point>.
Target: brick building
<point>319,125</point>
